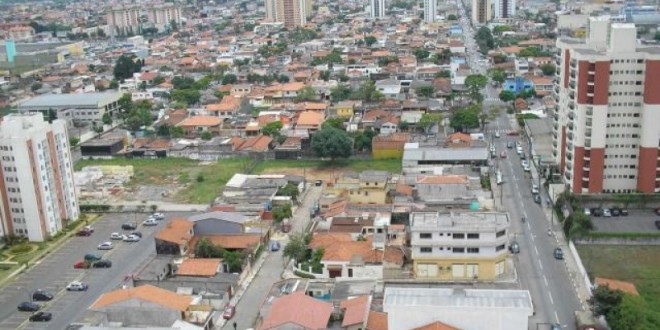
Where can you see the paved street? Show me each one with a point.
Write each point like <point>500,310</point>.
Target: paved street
<point>55,271</point>
<point>248,307</point>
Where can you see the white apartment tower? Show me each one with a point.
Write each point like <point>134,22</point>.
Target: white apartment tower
<point>504,8</point>
<point>481,11</point>
<point>606,135</point>
<point>377,8</point>
<point>163,15</point>
<point>124,19</point>
<point>430,9</point>
<point>37,189</point>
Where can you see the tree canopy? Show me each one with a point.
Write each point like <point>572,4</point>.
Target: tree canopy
<point>465,119</point>
<point>474,83</point>
<point>125,67</point>
<point>332,143</point>
<point>428,120</point>
<point>272,129</point>
<point>367,93</point>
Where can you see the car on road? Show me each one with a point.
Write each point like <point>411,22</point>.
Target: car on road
<point>555,326</point>
<point>503,154</point>
<point>105,246</point>
<point>92,257</point>
<point>524,163</point>
<point>131,239</point>
<point>137,233</point>
<point>150,222</point>
<point>537,199</point>
<point>587,211</point>
<point>597,212</point>
<point>77,286</point>
<point>519,150</point>
<point>82,264</point>
<point>657,224</point>
<point>83,233</point>
<point>607,213</point>
<point>274,245</point>
<point>117,236</point>
<point>514,247</point>
<point>41,317</point>
<point>497,135</point>
<point>158,216</point>
<point>558,253</point>
<point>509,145</point>
<point>128,226</point>
<point>229,312</point>
<point>28,306</point>
<point>102,264</point>
<point>41,295</point>
<point>535,189</point>
<point>615,211</point>
<point>513,133</point>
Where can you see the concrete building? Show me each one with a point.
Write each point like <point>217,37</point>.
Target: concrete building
<point>83,108</point>
<point>605,130</point>
<point>377,8</point>
<point>420,308</point>
<point>36,187</point>
<point>504,8</point>
<point>292,13</point>
<point>162,15</point>
<point>481,11</point>
<point>459,246</point>
<point>430,10</point>
<point>123,19</point>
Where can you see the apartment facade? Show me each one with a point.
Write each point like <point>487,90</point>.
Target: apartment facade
<point>459,246</point>
<point>37,190</point>
<point>606,134</point>
<point>481,11</point>
<point>377,8</point>
<point>504,8</point>
<point>123,19</point>
<point>163,15</point>
<point>293,13</point>
<point>430,9</point>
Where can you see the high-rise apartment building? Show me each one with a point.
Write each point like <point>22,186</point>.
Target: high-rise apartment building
<point>607,121</point>
<point>124,19</point>
<point>163,15</point>
<point>481,11</point>
<point>377,8</point>
<point>430,9</point>
<point>293,13</point>
<point>504,8</point>
<point>37,192</point>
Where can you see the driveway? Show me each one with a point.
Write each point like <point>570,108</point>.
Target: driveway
<point>638,221</point>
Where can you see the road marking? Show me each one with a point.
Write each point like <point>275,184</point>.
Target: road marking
<point>552,301</point>
<point>540,265</point>
<point>556,317</point>
<point>545,280</point>
<point>530,228</point>
<point>537,251</point>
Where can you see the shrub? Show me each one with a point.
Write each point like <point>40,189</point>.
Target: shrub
<point>21,249</point>
<point>303,275</point>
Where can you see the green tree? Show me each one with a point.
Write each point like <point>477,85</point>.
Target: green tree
<point>334,122</point>
<point>307,93</point>
<point>290,190</point>
<point>421,54</point>
<point>176,132</point>
<point>272,129</point>
<point>282,79</point>
<point>325,75</point>
<point>296,249</point>
<point>425,91</point>
<point>229,79</point>
<point>206,135</point>
<point>657,36</point>
<point>233,260</point>
<point>474,83</point>
<point>501,28</point>
<point>205,249</point>
<point>629,314</point>
<point>452,17</point>
<point>484,39</point>
<point>164,130</point>
<point>52,115</point>
<point>507,96</point>
<point>370,40</point>
<point>604,301</point>
<point>73,141</point>
<point>548,69</point>
<point>465,119</point>
<point>332,143</point>
<point>282,212</point>
<point>443,74</point>
<point>367,93</point>
<point>174,26</point>
<point>498,75</point>
<point>126,102</point>
<point>340,93</point>
<point>429,120</point>
<point>363,140</point>
<point>442,57</point>
<point>486,117</point>
<point>114,84</point>
<point>187,96</point>
<point>36,86</point>
<point>125,67</point>
<point>107,119</point>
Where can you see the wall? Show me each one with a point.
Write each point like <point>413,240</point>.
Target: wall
<point>486,269</point>
<point>387,153</point>
<point>135,312</point>
<point>473,318</point>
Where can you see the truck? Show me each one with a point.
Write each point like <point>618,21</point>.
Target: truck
<point>585,320</point>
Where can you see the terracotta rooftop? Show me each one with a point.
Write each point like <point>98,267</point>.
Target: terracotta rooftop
<point>176,231</point>
<point>310,118</point>
<point>148,293</point>
<point>256,143</point>
<point>199,267</point>
<point>377,321</point>
<point>309,313</point>
<point>201,121</point>
<point>437,325</point>
<point>342,247</point>
<point>356,310</point>
<point>626,287</point>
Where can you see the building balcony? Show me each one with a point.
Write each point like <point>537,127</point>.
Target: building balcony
<point>571,115</point>
<point>590,83</point>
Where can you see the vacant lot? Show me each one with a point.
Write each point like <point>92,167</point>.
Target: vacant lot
<point>200,182</point>
<point>637,264</point>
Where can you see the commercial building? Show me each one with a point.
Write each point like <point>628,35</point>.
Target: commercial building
<point>459,246</point>
<point>293,13</point>
<point>377,8</point>
<point>36,177</point>
<point>457,308</point>
<point>123,19</point>
<point>82,108</point>
<point>605,130</point>
<point>163,15</point>
<point>504,8</point>
<point>37,54</point>
<point>481,11</point>
<point>430,9</point>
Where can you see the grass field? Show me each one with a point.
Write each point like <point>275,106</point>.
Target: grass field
<point>637,264</point>
<point>201,182</point>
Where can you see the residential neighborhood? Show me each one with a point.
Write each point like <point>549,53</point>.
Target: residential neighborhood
<point>374,165</point>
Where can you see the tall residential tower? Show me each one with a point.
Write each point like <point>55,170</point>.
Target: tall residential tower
<point>377,8</point>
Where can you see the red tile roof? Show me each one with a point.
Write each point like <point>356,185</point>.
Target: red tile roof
<point>207,121</point>
<point>356,310</point>
<point>176,231</point>
<point>199,267</point>
<point>377,321</point>
<point>148,293</point>
<point>309,313</point>
<point>437,325</point>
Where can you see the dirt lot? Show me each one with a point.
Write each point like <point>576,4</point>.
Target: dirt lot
<point>325,174</point>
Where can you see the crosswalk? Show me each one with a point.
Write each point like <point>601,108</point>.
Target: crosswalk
<point>492,99</point>
<point>502,131</point>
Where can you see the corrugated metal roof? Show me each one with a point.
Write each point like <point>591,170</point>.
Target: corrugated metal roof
<point>63,100</point>
<point>438,297</point>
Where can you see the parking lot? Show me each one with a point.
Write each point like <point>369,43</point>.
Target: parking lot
<point>55,271</point>
<point>638,221</point>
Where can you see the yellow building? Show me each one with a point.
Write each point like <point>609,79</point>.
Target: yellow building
<point>389,146</point>
<point>344,109</point>
<point>369,187</point>
<point>459,246</point>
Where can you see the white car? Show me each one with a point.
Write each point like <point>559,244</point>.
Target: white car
<point>535,189</point>
<point>527,168</point>
<point>497,134</point>
<point>519,150</point>
<point>105,246</point>
<point>116,236</point>
<point>524,163</point>
<point>150,222</point>
<point>76,286</point>
<point>132,238</point>
<point>158,216</point>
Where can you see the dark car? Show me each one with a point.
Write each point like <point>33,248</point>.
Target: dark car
<point>128,226</point>
<point>41,317</point>
<point>657,224</point>
<point>616,211</point>
<point>229,312</point>
<point>28,306</point>
<point>102,264</point>
<point>624,212</point>
<point>92,257</point>
<point>597,212</point>
<point>509,145</point>
<point>136,233</point>
<point>657,211</point>
<point>41,295</point>
<point>537,199</point>
<point>84,232</point>
<point>559,253</point>
<point>514,247</point>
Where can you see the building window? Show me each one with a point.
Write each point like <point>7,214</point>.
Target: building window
<point>473,250</point>
<point>499,247</point>
<point>473,236</point>
<point>458,250</point>
<point>425,249</point>
<point>425,235</point>
<point>458,236</point>
<point>500,233</point>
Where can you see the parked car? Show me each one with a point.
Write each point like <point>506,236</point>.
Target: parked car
<point>318,183</point>
<point>616,212</point>
<point>509,145</point>
<point>587,211</point>
<point>88,228</point>
<point>513,133</point>
<point>535,188</point>
<point>624,212</point>
<point>558,253</point>
<point>607,213</point>
<point>102,264</point>
<point>131,239</point>
<point>555,326</point>
<point>497,134</point>
<point>137,233</point>
<point>128,226</point>
<point>524,163</point>
<point>537,199</point>
<point>82,264</point>
<point>514,247</point>
<point>84,232</point>
<point>116,236</point>
<point>158,216</point>
<point>503,154</point>
<point>41,295</point>
<point>105,246</point>
<point>149,222</point>
<point>274,245</point>
<point>229,312</point>
<point>41,317</point>
<point>77,286</point>
<point>92,257</point>
<point>28,306</point>
<point>657,224</point>
<point>597,212</point>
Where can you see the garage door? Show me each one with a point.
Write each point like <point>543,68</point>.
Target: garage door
<point>427,270</point>
<point>458,271</point>
<point>472,271</point>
